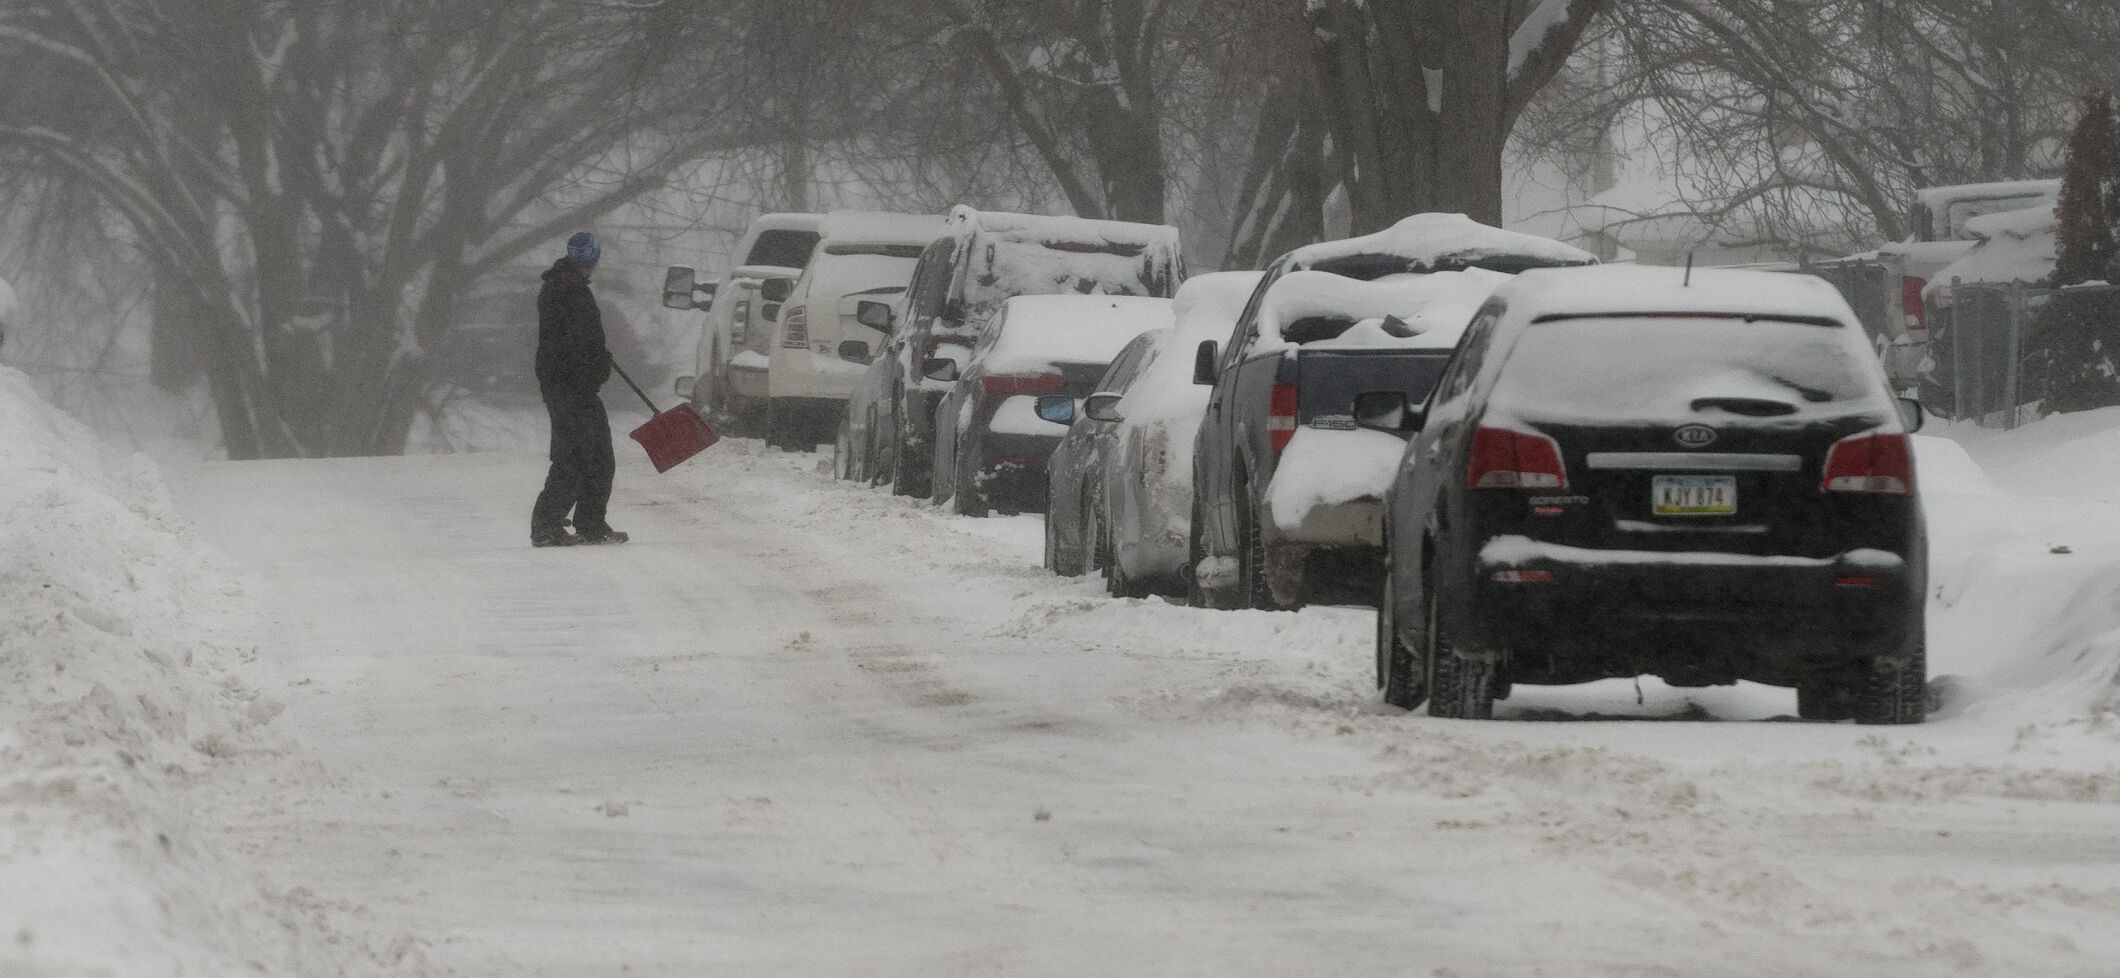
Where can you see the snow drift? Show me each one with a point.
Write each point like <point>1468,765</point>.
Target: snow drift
<point>117,714</point>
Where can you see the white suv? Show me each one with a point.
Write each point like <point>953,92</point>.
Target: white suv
<point>726,383</point>
<point>821,347</point>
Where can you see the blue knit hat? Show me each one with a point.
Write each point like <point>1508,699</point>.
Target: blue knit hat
<point>584,249</point>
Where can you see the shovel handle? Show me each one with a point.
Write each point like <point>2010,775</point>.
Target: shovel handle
<point>629,383</point>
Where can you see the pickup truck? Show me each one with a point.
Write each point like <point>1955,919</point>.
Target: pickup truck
<point>1287,488</point>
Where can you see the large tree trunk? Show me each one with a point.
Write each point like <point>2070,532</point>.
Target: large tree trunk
<point>1421,95</point>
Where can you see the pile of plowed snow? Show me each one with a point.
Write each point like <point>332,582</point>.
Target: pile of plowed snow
<point>117,715</point>
<point>2024,567</point>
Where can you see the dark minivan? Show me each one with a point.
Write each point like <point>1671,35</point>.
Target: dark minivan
<point>1697,475</point>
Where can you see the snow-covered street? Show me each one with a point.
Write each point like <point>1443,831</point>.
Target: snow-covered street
<point>803,728</point>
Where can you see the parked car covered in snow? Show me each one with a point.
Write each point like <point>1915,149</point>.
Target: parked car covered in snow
<point>821,347</point>
<point>855,452</point>
<point>728,379</point>
<point>1119,486</point>
<point>991,445</point>
<point>986,258</point>
<point>1738,504</point>
<point>1287,490</point>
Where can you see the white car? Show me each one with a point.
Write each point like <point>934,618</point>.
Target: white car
<point>773,246</point>
<point>822,347</point>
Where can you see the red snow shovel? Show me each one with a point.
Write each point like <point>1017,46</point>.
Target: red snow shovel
<point>670,436</point>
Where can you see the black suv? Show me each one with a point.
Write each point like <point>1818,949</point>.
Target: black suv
<point>1701,476</point>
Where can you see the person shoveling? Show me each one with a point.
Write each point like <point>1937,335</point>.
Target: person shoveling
<point>573,362</point>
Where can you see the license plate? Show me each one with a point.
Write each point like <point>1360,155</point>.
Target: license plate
<point>1694,495</point>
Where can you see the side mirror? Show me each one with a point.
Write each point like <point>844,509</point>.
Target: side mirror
<point>875,315</point>
<point>1911,414</point>
<point>776,289</point>
<point>854,351</point>
<point>1103,406</point>
<point>1387,411</point>
<point>1206,363</point>
<point>1056,408</point>
<point>939,368</point>
<point>679,284</point>
<point>683,387</point>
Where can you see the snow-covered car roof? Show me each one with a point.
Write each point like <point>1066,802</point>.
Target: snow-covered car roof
<point>1038,330</point>
<point>1425,310</point>
<point>881,227</point>
<point>1027,254</point>
<point>1436,242</point>
<point>1664,290</point>
<point>1069,233</point>
<point>785,221</point>
<point>763,272</point>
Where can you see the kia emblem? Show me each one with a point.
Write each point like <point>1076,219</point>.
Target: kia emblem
<point>1695,436</point>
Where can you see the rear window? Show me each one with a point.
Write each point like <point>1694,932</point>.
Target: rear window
<point>787,249</point>
<point>841,274</point>
<point>1671,368</point>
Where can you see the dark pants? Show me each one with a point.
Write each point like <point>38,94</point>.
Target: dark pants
<point>582,465</point>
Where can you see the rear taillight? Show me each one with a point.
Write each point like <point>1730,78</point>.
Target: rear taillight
<point>1006,385</point>
<point>795,328</point>
<point>1506,459</point>
<point>1871,462</point>
<point>1910,304</point>
<point>1281,416</point>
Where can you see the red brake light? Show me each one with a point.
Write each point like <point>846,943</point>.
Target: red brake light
<point>795,328</point>
<point>1281,416</point>
<point>1004,385</point>
<point>1910,304</point>
<point>1870,462</point>
<point>1506,459</point>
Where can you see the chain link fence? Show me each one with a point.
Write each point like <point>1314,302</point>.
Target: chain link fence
<point>1975,368</point>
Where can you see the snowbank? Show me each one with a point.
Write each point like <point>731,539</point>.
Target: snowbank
<point>116,715</point>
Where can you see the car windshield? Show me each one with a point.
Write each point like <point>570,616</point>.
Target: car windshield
<point>1671,368</point>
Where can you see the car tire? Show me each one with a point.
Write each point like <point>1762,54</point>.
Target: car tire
<point>843,454</point>
<point>1117,582</point>
<point>969,499</point>
<point>1400,676</point>
<point>909,474</point>
<point>1895,689</point>
<point>1052,546</point>
<point>1196,594</point>
<point>1458,687</point>
<point>1251,572</point>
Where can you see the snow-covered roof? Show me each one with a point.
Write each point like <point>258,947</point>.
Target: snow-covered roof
<point>764,272</point>
<point>1026,254</point>
<point>1431,309</point>
<point>1435,242</point>
<point>1207,306</point>
<point>880,227</point>
<point>1623,289</point>
<point>2013,246</point>
<point>1039,330</point>
<point>784,222</point>
<point>1951,209</point>
<point>1042,228</point>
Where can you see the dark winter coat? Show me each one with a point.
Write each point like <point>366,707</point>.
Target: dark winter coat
<point>571,355</point>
